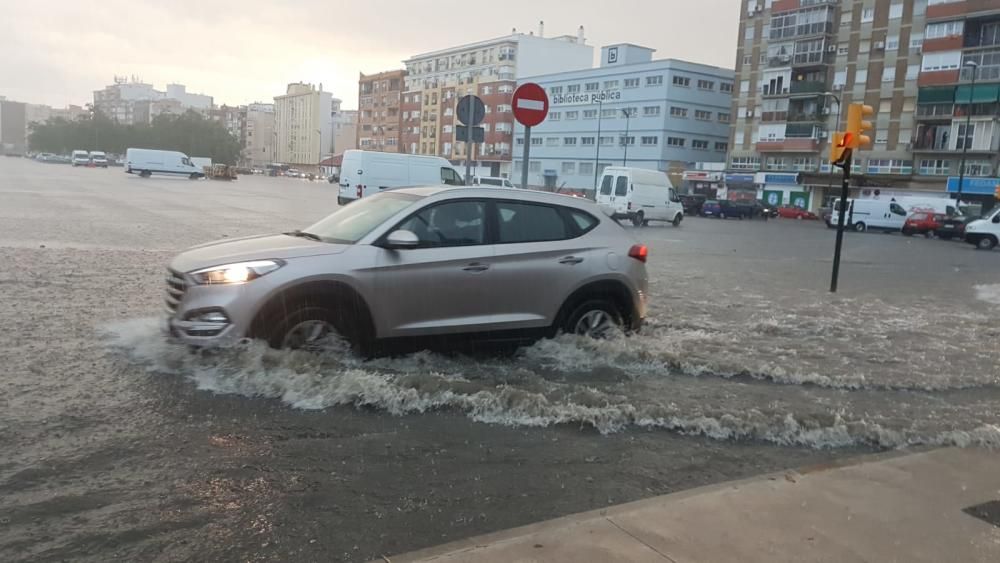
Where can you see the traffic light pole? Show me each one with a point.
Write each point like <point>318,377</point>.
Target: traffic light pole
<point>841,221</point>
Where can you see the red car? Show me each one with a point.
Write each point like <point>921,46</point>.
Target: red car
<point>789,212</point>
<point>924,223</point>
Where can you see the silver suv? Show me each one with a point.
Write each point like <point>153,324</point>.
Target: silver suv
<point>412,263</point>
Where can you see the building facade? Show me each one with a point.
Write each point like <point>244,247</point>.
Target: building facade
<point>259,148</point>
<point>302,125</point>
<point>130,102</point>
<point>435,82</point>
<point>379,97</point>
<point>631,110</point>
<point>345,128</point>
<point>911,60</point>
<point>13,127</point>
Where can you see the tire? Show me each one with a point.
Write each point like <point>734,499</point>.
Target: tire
<point>907,232</point>
<point>929,234</point>
<point>945,237</point>
<point>145,174</point>
<point>193,176</point>
<point>637,219</point>
<point>287,332</point>
<point>860,227</point>
<point>645,223</point>
<point>986,243</point>
<point>600,310</point>
<point>677,220</point>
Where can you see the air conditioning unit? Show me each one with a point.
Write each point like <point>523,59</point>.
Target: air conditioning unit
<point>749,113</point>
<point>831,49</point>
<point>880,45</point>
<point>823,134</point>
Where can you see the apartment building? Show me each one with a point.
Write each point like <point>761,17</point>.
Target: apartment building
<point>302,125</point>
<point>631,110</point>
<point>234,119</point>
<point>345,127</point>
<point>435,81</point>
<point>130,101</point>
<point>911,60</point>
<point>259,149</point>
<point>379,97</point>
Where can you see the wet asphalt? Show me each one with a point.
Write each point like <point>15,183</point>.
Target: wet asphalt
<point>116,446</point>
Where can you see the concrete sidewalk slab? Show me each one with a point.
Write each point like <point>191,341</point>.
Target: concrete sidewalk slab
<point>893,507</point>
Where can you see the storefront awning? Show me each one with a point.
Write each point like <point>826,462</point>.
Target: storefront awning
<point>983,94</point>
<point>937,95</point>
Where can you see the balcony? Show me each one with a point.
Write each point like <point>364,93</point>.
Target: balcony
<point>789,145</point>
<point>806,117</point>
<point>810,87</point>
<point>779,61</point>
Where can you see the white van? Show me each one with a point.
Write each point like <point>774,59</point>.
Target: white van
<point>365,173</point>
<point>871,214</point>
<point>80,158</point>
<point>99,158</point>
<point>640,195</point>
<point>492,181</point>
<point>146,162</point>
<point>985,232</point>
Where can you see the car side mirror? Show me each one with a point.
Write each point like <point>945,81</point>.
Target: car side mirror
<point>996,218</point>
<point>402,239</point>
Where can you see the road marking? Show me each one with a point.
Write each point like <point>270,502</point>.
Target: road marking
<point>538,105</point>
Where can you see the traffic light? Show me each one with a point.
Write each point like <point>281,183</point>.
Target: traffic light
<point>996,192</point>
<point>857,127</point>
<point>839,147</point>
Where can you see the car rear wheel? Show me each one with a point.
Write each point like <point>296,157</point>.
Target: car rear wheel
<point>930,233</point>
<point>637,219</point>
<point>145,174</point>
<point>986,243</point>
<point>594,318</point>
<point>860,227</point>
<point>907,232</point>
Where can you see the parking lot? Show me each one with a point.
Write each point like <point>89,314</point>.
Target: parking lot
<point>120,445</point>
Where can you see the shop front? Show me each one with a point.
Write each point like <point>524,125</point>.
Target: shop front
<point>740,187</point>
<point>783,189</point>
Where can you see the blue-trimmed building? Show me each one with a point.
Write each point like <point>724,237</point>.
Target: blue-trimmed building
<point>675,113</point>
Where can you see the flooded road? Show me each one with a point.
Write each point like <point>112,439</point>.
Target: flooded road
<point>119,445</point>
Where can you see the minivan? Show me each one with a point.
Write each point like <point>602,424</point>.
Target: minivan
<point>639,195</point>
<point>871,214</point>
<point>364,173</point>
<point>98,158</point>
<point>146,162</point>
<point>985,232</point>
<point>80,158</point>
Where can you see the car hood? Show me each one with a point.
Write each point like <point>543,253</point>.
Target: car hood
<point>260,247</point>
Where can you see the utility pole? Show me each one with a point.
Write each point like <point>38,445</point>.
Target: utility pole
<point>628,119</point>
<point>967,137</point>
<point>597,142</point>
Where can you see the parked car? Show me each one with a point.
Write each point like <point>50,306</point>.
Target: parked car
<point>692,204</point>
<point>925,223</point>
<point>711,208</point>
<point>954,227</point>
<point>984,232</point>
<point>146,162</point>
<point>99,159</point>
<point>80,158</point>
<point>415,263</point>
<point>735,209</point>
<point>364,173</point>
<point>791,212</point>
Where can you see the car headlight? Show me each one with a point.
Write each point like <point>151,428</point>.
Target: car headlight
<point>240,272</point>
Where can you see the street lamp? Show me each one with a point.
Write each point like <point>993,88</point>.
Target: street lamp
<point>966,138</point>
<point>597,156</point>
<point>319,142</point>
<point>628,119</point>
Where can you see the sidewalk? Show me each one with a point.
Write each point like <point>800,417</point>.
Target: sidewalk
<point>882,508</point>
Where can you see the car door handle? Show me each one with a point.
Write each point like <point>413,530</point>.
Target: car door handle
<point>476,267</point>
<point>571,260</point>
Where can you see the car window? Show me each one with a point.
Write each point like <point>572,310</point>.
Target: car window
<point>526,222</point>
<point>450,178</point>
<point>583,220</point>
<point>919,216</point>
<point>351,222</point>
<point>897,209</point>
<point>606,185</point>
<point>454,223</point>
<point>621,186</point>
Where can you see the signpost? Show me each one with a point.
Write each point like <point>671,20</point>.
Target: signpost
<point>470,112</point>
<point>530,105</point>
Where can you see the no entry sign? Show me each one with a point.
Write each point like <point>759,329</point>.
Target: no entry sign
<point>530,104</point>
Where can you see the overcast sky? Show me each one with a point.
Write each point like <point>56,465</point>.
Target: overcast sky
<point>58,51</point>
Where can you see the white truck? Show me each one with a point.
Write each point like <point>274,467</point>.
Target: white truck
<point>364,173</point>
<point>146,162</point>
<point>80,158</point>
<point>640,195</point>
<point>985,232</point>
<point>98,158</point>
<point>887,214</point>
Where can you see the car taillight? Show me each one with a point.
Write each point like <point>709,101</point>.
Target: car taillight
<point>639,251</point>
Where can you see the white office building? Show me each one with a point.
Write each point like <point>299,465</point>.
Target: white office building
<point>303,125</point>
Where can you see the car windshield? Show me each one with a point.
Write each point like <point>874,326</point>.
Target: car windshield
<point>350,223</point>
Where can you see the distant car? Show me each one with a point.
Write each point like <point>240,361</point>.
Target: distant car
<point>791,212</point>
<point>415,264</point>
<point>735,209</point>
<point>46,157</point>
<point>492,181</point>
<point>925,223</point>
<point>692,203</point>
<point>711,208</point>
<point>80,158</point>
<point>99,159</point>
<point>767,210</point>
<point>954,227</point>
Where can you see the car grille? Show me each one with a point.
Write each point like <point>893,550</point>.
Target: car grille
<point>176,286</point>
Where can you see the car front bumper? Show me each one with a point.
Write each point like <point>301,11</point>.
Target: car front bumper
<point>207,315</point>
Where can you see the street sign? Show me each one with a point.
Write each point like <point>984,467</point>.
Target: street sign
<point>530,104</point>
<point>461,134</point>
<point>478,110</point>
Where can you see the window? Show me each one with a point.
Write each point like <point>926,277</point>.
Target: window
<point>650,111</point>
<point>446,129</point>
<point>723,86</point>
<point>573,89</point>
<point>503,108</point>
<point>895,11</point>
<point>843,49</point>
<point>451,178</point>
<point>569,141</point>
<point>861,77</point>
<point>626,141</point>
<point>657,80</point>
<point>941,60</point>
<point>744,86</point>
<point>721,147</point>
<point>506,89</point>
<point>964,138</point>
<point>607,113</point>
<point>610,84</point>
<point>867,15</point>
<point>650,141</point>
<point>978,168</point>
<point>586,168</point>
<point>745,163</point>
<point>891,42</point>
<point>702,115</point>
<point>607,141</point>
<point>525,222</point>
<point>536,141</point>
<point>678,112</point>
<point>569,168</point>
<point>632,112</point>
<point>590,114</point>
<point>912,72</point>
<point>682,81</point>
<point>555,90</point>
<point>592,86</point>
<point>934,167</point>
<point>889,74</point>
<point>723,117</point>
<point>631,82</point>
<point>459,223</point>
<point>552,141</point>
<point>535,166</point>
<point>944,29</point>
<point>706,85</point>
<point>889,166</point>
<point>747,60</point>
<point>675,141</point>
<point>748,33</point>
<point>571,115</point>
<point>621,186</point>
<point>555,116</point>
<point>699,145</point>
<point>916,41</point>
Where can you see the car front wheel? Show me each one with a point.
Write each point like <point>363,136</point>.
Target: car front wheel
<point>986,243</point>
<point>594,318</point>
